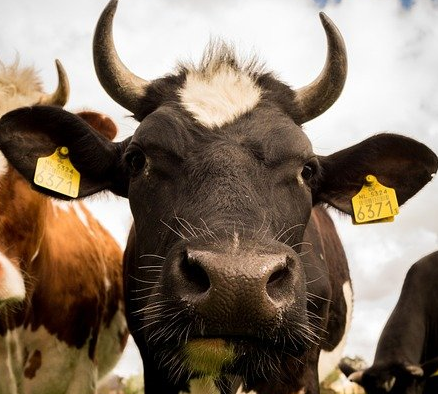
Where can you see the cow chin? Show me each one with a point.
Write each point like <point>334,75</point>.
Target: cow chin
<point>248,357</point>
<point>208,356</point>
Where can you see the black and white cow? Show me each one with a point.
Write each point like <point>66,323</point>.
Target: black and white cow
<point>235,278</point>
<point>406,360</point>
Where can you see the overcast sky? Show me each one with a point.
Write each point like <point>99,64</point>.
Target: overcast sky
<point>392,85</point>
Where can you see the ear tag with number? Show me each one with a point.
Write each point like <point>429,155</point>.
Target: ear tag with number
<point>374,203</point>
<point>56,173</point>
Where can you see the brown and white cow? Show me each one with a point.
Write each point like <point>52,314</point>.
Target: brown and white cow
<point>235,277</point>
<point>62,322</point>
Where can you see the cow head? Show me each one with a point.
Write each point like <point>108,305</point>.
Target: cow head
<point>221,181</point>
<point>19,87</point>
<point>402,378</point>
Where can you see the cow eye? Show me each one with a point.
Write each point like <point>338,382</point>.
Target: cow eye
<point>308,171</point>
<point>136,161</point>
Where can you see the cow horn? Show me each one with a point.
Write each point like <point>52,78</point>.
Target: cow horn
<point>60,96</point>
<point>122,85</point>
<point>314,99</point>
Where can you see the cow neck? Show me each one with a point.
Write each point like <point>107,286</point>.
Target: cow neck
<point>22,214</point>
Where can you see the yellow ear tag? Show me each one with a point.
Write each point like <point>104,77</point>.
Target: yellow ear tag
<point>434,374</point>
<point>374,203</point>
<point>56,173</point>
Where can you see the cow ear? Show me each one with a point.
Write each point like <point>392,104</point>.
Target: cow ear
<point>396,161</point>
<point>30,133</point>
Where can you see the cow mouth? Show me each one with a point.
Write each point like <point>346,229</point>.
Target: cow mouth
<point>249,358</point>
<point>187,345</point>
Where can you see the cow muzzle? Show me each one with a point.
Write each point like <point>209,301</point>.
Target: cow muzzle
<point>238,293</point>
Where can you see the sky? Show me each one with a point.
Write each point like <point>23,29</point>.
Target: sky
<point>392,85</point>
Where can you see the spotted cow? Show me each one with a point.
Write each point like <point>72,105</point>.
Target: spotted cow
<point>62,322</point>
<point>235,278</point>
<point>406,359</point>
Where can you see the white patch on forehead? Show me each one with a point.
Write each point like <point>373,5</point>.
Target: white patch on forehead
<point>3,164</point>
<point>218,96</point>
<point>329,360</point>
<point>11,281</point>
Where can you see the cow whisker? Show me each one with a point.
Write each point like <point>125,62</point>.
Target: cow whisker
<point>173,230</point>
<point>210,232</point>
<point>189,230</point>
<point>147,289</point>
<point>150,269</point>
<point>303,243</point>
<point>143,297</point>
<point>281,234</point>
<point>149,282</point>
<point>152,255</point>
<point>153,304</point>
<point>312,295</point>
<point>314,280</point>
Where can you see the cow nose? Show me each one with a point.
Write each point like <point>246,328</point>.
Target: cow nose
<point>195,273</point>
<point>249,287</point>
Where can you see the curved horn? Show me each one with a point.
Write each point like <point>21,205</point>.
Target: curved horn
<point>314,99</point>
<point>62,92</point>
<point>122,85</point>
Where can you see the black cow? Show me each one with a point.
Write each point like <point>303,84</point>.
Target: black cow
<point>235,276</point>
<point>407,352</point>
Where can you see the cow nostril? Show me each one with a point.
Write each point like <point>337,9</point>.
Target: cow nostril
<point>277,284</point>
<point>278,276</point>
<point>194,274</point>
